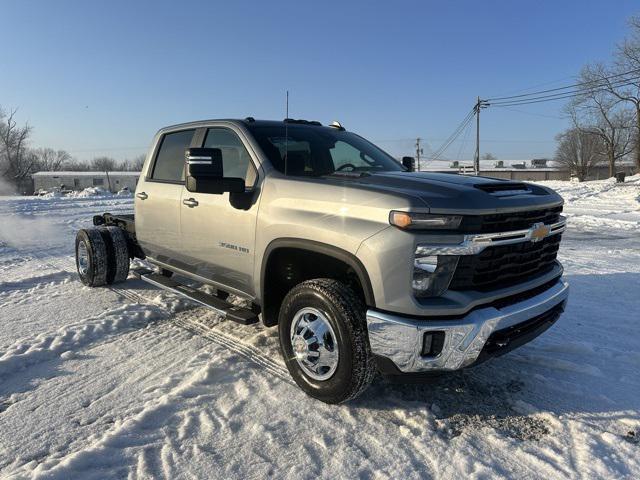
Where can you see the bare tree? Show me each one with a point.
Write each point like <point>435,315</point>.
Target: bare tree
<point>74,165</point>
<point>16,163</point>
<point>103,164</point>
<point>138,163</point>
<point>579,151</point>
<point>133,165</point>
<point>626,86</point>
<point>599,112</point>
<point>621,81</point>
<point>48,159</point>
<point>488,156</point>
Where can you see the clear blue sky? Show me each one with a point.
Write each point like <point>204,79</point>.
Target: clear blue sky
<point>99,78</point>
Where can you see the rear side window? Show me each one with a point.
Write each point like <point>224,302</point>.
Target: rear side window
<point>169,164</point>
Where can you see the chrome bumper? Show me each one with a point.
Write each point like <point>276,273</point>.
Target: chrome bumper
<point>400,339</point>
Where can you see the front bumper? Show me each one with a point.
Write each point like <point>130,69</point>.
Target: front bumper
<point>400,339</point>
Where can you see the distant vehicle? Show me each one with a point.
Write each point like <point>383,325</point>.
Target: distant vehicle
<point>363,265</point>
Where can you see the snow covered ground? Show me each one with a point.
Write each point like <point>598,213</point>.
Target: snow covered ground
<point>131,382</point>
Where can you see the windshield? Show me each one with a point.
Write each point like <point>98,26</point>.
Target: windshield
<point>315,151</point>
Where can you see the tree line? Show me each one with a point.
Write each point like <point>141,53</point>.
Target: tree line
<point>605,112</point>
<point>18,161</point>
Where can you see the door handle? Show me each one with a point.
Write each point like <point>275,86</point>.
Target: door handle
<point>190,202</point>
<point>142,195</point>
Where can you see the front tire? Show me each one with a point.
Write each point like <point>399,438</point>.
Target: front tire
<point>324,342</point>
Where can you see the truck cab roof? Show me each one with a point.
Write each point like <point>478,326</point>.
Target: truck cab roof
<point>250,121</point>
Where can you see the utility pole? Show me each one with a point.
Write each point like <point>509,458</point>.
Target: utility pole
<point>108,180</point>
<point>476,161</point>
<point>418,151</point>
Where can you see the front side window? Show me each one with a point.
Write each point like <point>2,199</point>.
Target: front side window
<point>169,164</point>
<point>315,151</point>
<point>236,161</point>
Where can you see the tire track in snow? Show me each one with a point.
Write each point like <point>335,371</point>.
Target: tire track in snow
<point>194,323</point>
<point>232,343</point>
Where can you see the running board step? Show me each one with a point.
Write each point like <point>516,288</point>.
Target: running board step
<point>227,310</point>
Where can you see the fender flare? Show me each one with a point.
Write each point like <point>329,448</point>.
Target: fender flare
<point>325,249</point>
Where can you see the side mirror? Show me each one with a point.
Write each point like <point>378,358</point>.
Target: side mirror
<point>204,172</point>
<point>409,163</point>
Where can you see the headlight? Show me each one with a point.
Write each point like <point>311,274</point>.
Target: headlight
<point>424,221</point>
<point>432,274</point>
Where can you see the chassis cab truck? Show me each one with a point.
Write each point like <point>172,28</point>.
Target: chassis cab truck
<point>363,265</point>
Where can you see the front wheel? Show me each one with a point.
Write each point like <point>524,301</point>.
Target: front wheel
<point>323,339</point>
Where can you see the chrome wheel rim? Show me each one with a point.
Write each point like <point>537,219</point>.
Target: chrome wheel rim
<point>314,343</point>
<point>83,258</point>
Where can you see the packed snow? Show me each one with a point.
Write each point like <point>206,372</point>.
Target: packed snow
<point>133,382</point>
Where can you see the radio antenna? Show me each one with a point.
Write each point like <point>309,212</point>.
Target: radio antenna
<point>286,135</point>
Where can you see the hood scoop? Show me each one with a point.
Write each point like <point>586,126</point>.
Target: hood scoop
<point>504,189</point>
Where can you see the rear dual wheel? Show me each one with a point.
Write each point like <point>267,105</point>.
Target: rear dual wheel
<point>102,256</point>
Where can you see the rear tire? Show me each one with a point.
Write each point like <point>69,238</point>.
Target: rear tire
<point>118,264</point>
<point>102,256</point>
<point>339,366</point>
<point>91,257</point>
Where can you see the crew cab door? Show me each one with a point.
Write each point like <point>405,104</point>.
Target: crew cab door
<point>157,203</point>
<point>218,230</point>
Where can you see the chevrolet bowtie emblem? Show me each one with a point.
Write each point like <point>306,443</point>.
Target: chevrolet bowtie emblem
<point>539,231</point>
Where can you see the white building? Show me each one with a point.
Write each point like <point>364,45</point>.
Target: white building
<point>111,181</point>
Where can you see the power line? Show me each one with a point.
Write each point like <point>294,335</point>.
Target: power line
<point>531,113</point>
<point>465,137</point>
<point>563,95</point>
<point>537,85</point>
<point>575,85</point>
<point>484,140</point>
<point>552,94</point>
<point>467,119</point>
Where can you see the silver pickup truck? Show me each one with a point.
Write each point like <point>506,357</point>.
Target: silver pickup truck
<point>363,264</point>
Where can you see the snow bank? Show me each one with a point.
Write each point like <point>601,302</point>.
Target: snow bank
<point>50,194</point>
<point>88,192</point>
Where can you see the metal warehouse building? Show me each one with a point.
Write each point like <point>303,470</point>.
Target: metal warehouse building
<point>111,181</point>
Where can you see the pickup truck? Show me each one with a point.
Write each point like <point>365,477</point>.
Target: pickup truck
<point>364,265</point>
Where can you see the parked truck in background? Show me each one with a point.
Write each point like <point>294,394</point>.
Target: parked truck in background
<point>362,265</point>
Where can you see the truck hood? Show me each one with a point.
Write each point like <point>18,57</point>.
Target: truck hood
<point>451,193</point>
